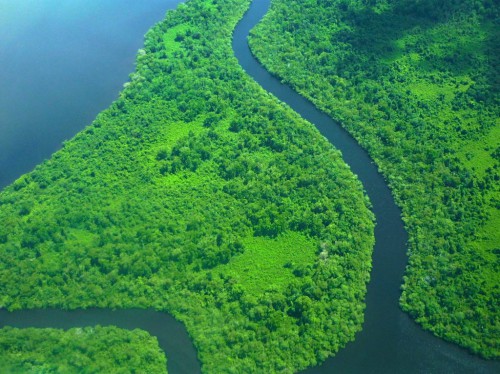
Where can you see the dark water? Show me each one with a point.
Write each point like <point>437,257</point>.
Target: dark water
<point>390,342</point>
<point>61,63</point>
<point>57,77</point>
<point>171,334</point>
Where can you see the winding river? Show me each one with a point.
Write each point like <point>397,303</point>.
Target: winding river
<point>390,341</point>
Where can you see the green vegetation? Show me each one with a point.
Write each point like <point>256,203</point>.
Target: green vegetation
<point>416,82</point>
<point>81,350</point>
<point>265,259</point>
<point>199,194</point>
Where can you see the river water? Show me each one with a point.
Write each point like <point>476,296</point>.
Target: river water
<point>62,62</point>
<point>48,101</point>
<point>390,341</point>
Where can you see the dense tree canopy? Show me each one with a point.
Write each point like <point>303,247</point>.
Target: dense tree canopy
<point>81,350</point>
<point>199,194</point>
<point>416,82</point>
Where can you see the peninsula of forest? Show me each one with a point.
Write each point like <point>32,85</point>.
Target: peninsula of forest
<point>199,194</point>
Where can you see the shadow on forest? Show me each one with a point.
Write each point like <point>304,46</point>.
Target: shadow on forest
<point>374,31</point>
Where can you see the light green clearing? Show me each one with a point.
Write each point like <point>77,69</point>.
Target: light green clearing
<point>477,155</point>
<point>263,265</point>
<point>169,38</point>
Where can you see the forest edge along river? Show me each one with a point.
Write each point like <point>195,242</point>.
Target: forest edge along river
<point>172,336</point>
<point>390,341</point>
<point>62,63</point>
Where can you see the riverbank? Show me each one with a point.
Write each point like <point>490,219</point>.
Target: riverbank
<point>61,65</point>
<point>193,169</point>
<point>413,84</point>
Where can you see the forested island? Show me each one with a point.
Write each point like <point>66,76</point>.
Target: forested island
<point>199,194</point>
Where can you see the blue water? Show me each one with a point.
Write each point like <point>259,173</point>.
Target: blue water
<point>61,63</point>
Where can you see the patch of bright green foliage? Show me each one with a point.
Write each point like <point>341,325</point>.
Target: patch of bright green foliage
<point>192,176</point>
<point>417,84</point>
<point>80,350</point>
<point>172,38</point>
<point>264,261</point>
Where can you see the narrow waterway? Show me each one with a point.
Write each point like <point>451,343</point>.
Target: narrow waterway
<point>390,341</point>
<point>172,336</point>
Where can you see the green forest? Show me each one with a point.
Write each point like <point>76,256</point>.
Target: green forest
<point>417,84</point>
<point>199,194</point>
<point>80,350</point>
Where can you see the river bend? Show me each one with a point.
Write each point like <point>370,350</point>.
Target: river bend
<point>390,341</point>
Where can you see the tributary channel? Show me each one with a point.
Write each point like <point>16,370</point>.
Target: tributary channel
<point>390,341</point>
